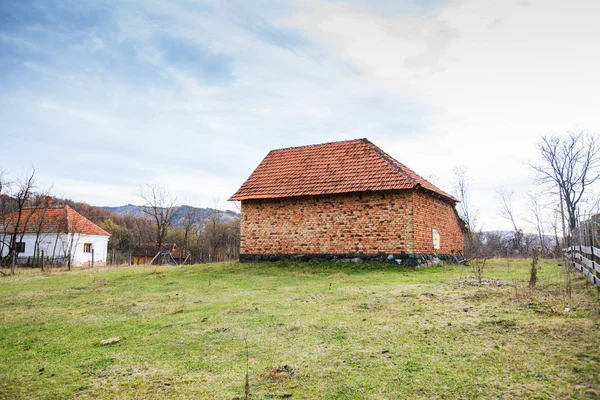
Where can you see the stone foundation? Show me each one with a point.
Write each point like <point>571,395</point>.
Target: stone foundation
<point>410,260</point>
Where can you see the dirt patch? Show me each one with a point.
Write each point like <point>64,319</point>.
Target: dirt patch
<point>282,372</point>
<point>368,306</point>
<point>278,395</point>
<point>484,282</point>
<point>177,310</point>
<point>242,310</point>
<point>506,324</point>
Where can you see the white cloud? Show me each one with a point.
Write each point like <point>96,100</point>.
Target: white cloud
<point>472,82</point>
<point>496,74</point>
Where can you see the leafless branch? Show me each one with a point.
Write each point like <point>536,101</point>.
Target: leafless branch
<point>159,205</point>
<point>571,165</point>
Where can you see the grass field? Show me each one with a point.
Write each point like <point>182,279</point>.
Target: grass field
<point>314,331</point>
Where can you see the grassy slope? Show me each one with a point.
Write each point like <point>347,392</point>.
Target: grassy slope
<point>314,331</point>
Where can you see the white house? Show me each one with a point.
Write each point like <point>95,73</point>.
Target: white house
<point>57,233</point>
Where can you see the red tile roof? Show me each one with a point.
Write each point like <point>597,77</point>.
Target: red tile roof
<point>328,168</point>
<point>61,219</point>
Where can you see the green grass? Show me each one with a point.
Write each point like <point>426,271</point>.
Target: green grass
<point>315,331</point>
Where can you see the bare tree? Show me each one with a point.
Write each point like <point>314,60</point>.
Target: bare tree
<point>507,211</point>
<point>478,267</point>
<point>4,184</point>
<point>461,191</point>
<point>570,165</point>
<point>6,207</point>
<point>535,208</point>
<point>473,238</point>
<point>23,192</point>
<point>557,241</point>
<point>159,205</point>
<point>189,222</point>
<point>42,203</point>
<point>215,234</point>
<point>534,267</point>
<point>74,229</point>
<point>233,239</point>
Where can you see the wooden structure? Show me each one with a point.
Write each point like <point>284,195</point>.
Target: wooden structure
<point>148,253</point>
<point>584,253</point>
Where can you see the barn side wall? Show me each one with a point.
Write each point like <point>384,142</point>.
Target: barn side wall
<point>430,212</point>
<point>355,223</point>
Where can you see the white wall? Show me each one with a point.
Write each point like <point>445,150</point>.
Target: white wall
<point>58,245</point>
<point>99,244</point>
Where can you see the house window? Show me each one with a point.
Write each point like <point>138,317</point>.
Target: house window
<point>436,239</point>
<point>87,247</point>
<point>20,247</point>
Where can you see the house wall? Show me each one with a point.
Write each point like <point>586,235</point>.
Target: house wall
<point>99,244</point>
<point>57,245</point>
<point>391,222</point>
<point>368,223</point>
<point>431,212</point>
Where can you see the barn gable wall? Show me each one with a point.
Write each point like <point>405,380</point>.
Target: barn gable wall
<point>430,212</point>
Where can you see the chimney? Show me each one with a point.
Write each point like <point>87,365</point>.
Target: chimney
<point>48,201</point>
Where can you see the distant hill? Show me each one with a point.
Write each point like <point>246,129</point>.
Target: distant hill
<point>205,213</point>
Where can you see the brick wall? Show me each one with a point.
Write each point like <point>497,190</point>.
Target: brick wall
<point>369,223</point>
<point>429,213</point>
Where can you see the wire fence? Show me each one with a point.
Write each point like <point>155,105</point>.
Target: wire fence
<point>584,250</point>
<point>40,261</point>
<point>120,258</point>
<point>116,257</point>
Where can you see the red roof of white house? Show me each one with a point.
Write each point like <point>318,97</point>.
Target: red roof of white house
<point>62,219</point>
<point>330,168</point>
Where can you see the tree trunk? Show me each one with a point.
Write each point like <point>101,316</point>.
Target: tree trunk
<point>14,261</point>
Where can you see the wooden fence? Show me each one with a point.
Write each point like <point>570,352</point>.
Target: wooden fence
<point>584,252</point>
<point>584,259</point>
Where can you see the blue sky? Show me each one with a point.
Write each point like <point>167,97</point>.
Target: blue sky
<point>103,96</point>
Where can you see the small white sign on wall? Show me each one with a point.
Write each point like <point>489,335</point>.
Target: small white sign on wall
<point>436,239</point>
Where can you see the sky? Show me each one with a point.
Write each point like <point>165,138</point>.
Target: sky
<point>103,96</point>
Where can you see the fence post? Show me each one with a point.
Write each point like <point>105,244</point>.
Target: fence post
<point>92,258</point>
<point>594,272</point>
<point>42,260</point>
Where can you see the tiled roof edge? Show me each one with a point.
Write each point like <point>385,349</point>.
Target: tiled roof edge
<point>365,140</point>
<point>386,157</point>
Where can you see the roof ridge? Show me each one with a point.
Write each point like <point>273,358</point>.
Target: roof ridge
<point>386,157</point>
<point>411,175</point>
<point>44,208</point>
<point>86,220</point>
<point>321,144</point>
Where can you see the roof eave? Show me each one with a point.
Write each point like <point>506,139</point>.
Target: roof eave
<point>237,197</point>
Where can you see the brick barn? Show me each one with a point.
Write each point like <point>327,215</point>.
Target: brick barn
<point>344,201</point>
